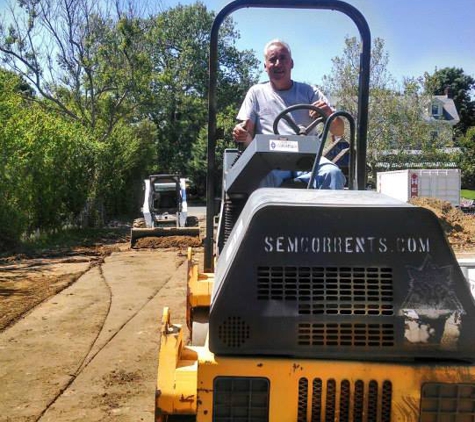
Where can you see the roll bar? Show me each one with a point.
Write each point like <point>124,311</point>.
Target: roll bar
<point>363,95</point>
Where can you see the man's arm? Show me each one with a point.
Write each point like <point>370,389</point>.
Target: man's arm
<point>244,132</point>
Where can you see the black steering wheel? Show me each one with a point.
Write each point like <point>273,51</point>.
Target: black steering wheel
<point>299,130</point>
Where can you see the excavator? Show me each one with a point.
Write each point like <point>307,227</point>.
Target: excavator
<point>316,305</point>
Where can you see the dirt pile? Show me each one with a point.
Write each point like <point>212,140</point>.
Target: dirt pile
<point>458,226</point>
<point>167,242</point>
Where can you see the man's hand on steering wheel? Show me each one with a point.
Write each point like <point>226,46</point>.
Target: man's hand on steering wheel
<point>301,130</point>
<point>323,106</point>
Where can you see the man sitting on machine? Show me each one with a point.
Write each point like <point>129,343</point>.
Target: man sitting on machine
<point>264,102</point>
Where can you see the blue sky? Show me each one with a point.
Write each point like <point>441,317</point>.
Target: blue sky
<point>419,35</point>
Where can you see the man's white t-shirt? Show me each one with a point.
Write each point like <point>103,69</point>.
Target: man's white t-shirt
<point>262,104</point>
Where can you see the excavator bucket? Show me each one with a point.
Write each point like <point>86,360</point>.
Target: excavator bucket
<point>140,233</point>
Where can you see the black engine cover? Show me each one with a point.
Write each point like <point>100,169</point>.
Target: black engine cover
<point>339,274</point>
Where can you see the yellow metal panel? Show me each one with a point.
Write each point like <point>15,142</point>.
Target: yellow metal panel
<point>187,375</point>
<point>200,285</point>
<point>284,376</point>
<point>200,290</point>
<point>176,380</point>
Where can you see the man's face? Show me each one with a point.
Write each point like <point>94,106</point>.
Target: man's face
<point>278,64</point>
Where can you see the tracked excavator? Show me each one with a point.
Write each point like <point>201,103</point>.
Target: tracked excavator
<point>316,305</point>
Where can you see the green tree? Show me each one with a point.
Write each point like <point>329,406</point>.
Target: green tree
<point>87,62</point>
<point>85,59</point>
<point>45,166</point>
<point>12,222</point>
<point>226,120</point>
<point>121,164</point>
<point>453,81</point>
<point>467,159</point>
<point>396,116</point>
<point>103,67</point>
<point>179,44</point>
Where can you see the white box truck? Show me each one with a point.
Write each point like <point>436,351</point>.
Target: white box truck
<point>443,184</point>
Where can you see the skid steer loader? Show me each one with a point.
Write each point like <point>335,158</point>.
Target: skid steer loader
<point>165,209</point>
<point>317,305</point>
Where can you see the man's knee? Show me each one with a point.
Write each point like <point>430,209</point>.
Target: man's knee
<point>330,177</point>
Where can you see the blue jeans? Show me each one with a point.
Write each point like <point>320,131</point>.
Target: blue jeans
<point>329,176</point>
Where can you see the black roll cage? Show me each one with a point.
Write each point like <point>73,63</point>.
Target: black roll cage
<point>363,96</point>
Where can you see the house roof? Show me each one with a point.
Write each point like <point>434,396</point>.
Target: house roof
<point>449,110</point>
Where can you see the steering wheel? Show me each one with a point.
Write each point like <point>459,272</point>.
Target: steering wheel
<point>299,130</point>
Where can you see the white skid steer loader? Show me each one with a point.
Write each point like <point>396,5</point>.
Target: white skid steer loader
<point>165,210</point>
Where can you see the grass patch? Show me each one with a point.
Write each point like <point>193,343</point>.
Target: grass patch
<point>467,193</point>
<point>79,237</point>
<point>68,239</point>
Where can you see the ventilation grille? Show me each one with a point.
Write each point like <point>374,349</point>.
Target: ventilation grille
<point>329,290</point>
<point>233,332</point>
<point>355,403</point>
<point>447,402</point>
<point>346,334</point>
<point>239,399</point>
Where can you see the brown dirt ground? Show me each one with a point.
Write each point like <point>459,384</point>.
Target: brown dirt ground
<point>458,226</point>
<point>26,281</point>
<point>89,353</point>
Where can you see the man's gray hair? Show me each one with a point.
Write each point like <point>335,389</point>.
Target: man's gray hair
<point>276,42</point>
